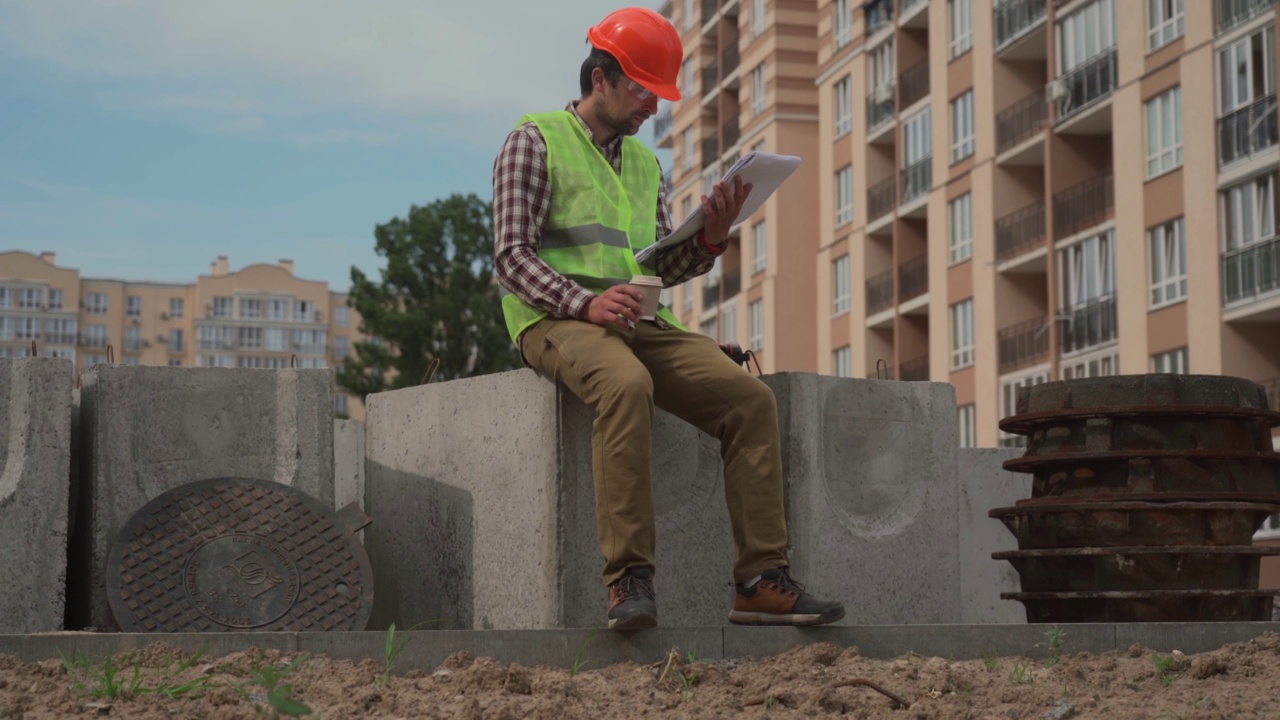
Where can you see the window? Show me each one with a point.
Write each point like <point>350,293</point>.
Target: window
<point>760,247</point>
<point>29,328</point>
<point>55,299</point>
<point>687,141</point>
<point>686,207</point>
<point>6,327</point>
<point>96,303</point>
<point>1168,246</point>
<point>176,308</point>
<point>843,23</point>
<point>1104,365</point>
<point>842,362</point>
<point>250,338</point>
<point>962,343</point>
<point>840,286</point>
<point>880,66</point>
<point>686,298</point>
<point>1172,362</point>
<point>278,309</point>
<point>6,297</point>
<point>686,75</point>
<point>175,341</point>
<point>1164,22</point>
<point>1164,132</point>
<point>1248,70</point>
<point>132,338</point>
<point>250,308</point>
<point>95,335</point>
<point>917,142</point>
<point>340,404</point>
<point>962,132</point>
<point>133,306</point>
<point>966,415</point>
<point>843,102</point>
<point>341,315</point>
<point>276,339</point>
<point>689,17</point>
<point>709,328</point>
<point>91,360</point>
<point>341,347</point>
<point>729,323</point>
<point>60,331</point>
<point>222,307</point>
<point>31,298</point>
<point>1009,403</point>
<point>1086,270</point>
<point>1249,212</point>
<point>960,228</point>
<point>844,195</point>
<point>757,90</point>
<point>304,310</point>
<point>758,147</point>
<point>1086,34</point>
<point>961,16</point>
<point>757,18</point>
<point>175,363</point>
<point>755,312</point>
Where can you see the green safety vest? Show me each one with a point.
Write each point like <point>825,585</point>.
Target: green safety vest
<point>598,219</point>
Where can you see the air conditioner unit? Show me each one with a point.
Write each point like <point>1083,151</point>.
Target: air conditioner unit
<point>1055,91</point>
<point>883,94</point>
<point>161,338</point>
<point>146,343</point>
<point>164,316</point>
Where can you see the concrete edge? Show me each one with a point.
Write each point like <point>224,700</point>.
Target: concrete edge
<point>424,650</point>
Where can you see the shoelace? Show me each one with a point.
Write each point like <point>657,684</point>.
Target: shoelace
<point>785,583</point>
<point>634,588</point>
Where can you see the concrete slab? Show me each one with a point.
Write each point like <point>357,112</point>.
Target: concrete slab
<point>984,484</point>
<point>871,494</point>
<point>35,466</point>
<point>95,647</point>
<point>954,642</point>
<point>147,430</point>
<point>348,463</point>
<point>1188,637</point>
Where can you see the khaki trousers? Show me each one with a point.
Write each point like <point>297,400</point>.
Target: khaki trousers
<point>622,375</point>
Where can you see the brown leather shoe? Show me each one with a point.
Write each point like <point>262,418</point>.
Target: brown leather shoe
<point>776,599</point>
<point>631,601</point>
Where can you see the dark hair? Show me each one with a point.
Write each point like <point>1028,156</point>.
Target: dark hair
<point>598,59</point>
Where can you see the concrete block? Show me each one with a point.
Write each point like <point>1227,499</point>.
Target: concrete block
<point>147,430</point>
<point>984,484</point>
<point>348,463</point>
<point>954,642</point>
<point>35,466</point>
<point>1190,637</point>
<point>871,494</point>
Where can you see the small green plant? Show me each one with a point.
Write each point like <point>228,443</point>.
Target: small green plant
<point>109,681</point>
<point>279,696</point>
<point>990,663</point>
<point>393,649</point>
<point>579,660</point>
<point>1163,663</point>
<point>1020,674</point>
<point>1053,645</point>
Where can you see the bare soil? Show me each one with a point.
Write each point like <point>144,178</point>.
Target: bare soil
<point>1237,681</point>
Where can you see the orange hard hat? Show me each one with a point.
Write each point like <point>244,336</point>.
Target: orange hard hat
<point>645,44</point>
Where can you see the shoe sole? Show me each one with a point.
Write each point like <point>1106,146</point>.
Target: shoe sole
<point>639,621</point>
<point>740,617</point>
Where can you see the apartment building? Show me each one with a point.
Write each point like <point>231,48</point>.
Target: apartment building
<point>260,316</point>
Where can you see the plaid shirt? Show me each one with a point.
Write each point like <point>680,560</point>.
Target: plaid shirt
<point>521,204</point>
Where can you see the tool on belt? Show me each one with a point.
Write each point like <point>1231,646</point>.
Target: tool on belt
<point>742,357</point>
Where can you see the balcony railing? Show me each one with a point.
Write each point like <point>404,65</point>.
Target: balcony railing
<point>913,278</point>
<point>1086,85</point>
<point>60,338</point>
<point>880,106</point>
<point>662,123</point>
<point>709,10</point>
<point>880,292</point>
<point>917,179</point>
<point>1251,271</point>
<point>879,14</point>
<point>882,197</point>
<point>732,282</point>
<point>1020,231</point>
<point>729,58</point>
<point>1015,17</point>
<point>914,370</point>
<point>915,83</point>
<point>1089,324</point>
<point>1022,345</point>
<point>1083,205</point>
<point>1020,121</point>
<point>1272,387</point>
<point>1247,130</point>
<point>710,77</point>
<point>730,132</point>
<point>710,151</point>
<point>1237,12</point>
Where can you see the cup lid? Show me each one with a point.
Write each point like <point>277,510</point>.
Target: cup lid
<point>646,280</point>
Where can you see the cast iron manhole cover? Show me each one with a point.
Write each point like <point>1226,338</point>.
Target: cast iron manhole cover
<point>231,554</point>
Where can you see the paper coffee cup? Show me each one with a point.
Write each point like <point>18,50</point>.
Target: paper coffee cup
<point>651,286</point>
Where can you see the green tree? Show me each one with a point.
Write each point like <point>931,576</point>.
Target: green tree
<point>437,299</point>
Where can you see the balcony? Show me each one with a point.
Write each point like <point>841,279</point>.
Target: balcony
<point>662,124</point>
<point>913,278</point>
<point>1089,324</point>
<point>880,292</point>
<point>880,107</point>
<point>915,83</point>
<point>914,370</point>
<point>710,151</point>
<point>1023,345</point>
<point>710,80</point>
<point>879,15</point>
<point>1085,86</point>
<point>1020,121</point>
<point>709,10</point>
<point>710,295</point>
<point>882,198</point>
<point>60,338</point>
<point>1020,231</point>
<point>730,132</point>
<point>1231,13</point>
<point>729,59</point>
<point>1083,205</point>
<point>1015,18</point>
<point>1251,272</point>
<point>917,179</point>
<point>732,283</point>
<point>1247,130</point>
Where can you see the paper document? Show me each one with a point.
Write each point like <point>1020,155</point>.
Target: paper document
<point>765,171</point>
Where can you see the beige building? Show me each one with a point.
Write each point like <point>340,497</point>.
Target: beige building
<point>261,316</point>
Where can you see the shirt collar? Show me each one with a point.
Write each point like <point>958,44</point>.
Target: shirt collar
<point>613,144</point>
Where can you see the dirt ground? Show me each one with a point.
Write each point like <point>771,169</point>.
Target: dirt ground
<point>1237,681</point>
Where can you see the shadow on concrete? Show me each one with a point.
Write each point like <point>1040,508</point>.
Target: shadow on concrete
<point>421,545</point>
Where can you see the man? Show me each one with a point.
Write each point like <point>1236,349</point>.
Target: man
<point>575,196</point>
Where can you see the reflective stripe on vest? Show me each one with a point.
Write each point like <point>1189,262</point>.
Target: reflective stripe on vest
<point>598,218</point>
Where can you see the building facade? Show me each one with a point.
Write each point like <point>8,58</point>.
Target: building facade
<point>261,317</point>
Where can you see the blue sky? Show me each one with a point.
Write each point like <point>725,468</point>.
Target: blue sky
<point>139,139</point>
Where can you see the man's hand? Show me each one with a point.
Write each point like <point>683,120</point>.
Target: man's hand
<point>721,208</point>
<point>619,305</point>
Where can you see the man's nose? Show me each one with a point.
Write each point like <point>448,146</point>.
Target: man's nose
<point>652,105</point>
